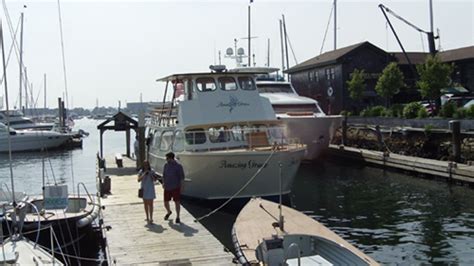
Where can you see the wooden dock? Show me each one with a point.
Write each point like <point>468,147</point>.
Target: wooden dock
<point>449,170</point>
<point>131,241</point>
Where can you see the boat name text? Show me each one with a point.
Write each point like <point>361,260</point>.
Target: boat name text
<point>233,102</point>
<point>250,164</point>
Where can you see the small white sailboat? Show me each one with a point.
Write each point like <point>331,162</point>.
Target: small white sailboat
<point>261,236</point>
<point>19,250</point>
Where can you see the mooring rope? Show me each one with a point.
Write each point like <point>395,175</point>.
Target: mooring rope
<point>241,189</point>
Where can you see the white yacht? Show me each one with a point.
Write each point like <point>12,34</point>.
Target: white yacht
<point>25,140</point>
<point>21,122</point>
<point>225,135</point>
<point>302,115</point>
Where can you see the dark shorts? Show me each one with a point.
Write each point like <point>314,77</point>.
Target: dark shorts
<point>174,194</point>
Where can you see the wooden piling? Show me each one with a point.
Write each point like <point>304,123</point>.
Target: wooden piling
<point>344,131</point>
<point>455,126</point>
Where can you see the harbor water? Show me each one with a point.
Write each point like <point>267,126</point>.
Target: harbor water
<point>393,217</point>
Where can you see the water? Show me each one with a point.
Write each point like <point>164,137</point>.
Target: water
<point>393,217</point>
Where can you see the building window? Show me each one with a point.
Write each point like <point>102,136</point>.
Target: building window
<point>333,73</point>
<point>310,76</point>
<point>328,74</point>
<point>316,75</point>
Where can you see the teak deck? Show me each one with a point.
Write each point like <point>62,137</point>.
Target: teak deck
<point>132,241</point>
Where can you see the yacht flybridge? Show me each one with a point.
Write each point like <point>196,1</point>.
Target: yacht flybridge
<point>225,135</point>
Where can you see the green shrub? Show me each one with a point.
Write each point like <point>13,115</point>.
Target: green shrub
<point>365,112</point>
<point>428,129</point>
<point>448,110</point>
<point>373,111</point>
<point>470,112</point>
<point>411,110</point>
<point>396,110</point>
<point>378,110</point>
<point>460,113</point>
<point>422,113</point>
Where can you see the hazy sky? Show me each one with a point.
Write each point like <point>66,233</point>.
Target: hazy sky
<point>115,50</point>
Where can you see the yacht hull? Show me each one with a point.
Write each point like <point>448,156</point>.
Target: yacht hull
<point>315,132</point>
<point>32,140</point>
<point>221,174</point>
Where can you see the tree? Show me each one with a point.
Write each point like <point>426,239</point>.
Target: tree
<point>390,82</point>
<point>356,85</point>
<point>434,76</point>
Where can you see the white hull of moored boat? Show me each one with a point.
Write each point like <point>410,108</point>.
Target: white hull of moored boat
<point>32,140</point>
<point>316,132</point>
<point>221,174</point>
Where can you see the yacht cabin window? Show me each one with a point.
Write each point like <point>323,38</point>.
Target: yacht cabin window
<point>218,134</point>
<point>195,136</point>
<point>238,132</point>
<point>274,88</point>
<point>166,140</point>
<point>227,83</point>
<point>206,84</point>
<point>246,83</point>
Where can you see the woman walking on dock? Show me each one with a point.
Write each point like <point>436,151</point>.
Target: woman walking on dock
<point>147,177</point>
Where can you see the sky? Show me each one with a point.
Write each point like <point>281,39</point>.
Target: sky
<point>115,50</point>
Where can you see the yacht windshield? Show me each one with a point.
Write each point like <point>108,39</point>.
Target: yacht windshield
<point>227,83</point>
<point>274,88</point>
<point>205,84</point>
<point>246,83</point>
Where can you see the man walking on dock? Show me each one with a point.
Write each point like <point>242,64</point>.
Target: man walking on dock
<point>173,181</point>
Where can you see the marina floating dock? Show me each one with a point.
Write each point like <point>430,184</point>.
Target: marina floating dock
<point>444,169</point>
<point>129,240</point>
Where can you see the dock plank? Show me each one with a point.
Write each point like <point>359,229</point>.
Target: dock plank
<point>457,171</point>
<point>131,241</point>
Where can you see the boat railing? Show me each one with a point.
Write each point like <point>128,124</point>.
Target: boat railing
<point>231,139</point>
<point>87,191</point>
<point>288,250</point>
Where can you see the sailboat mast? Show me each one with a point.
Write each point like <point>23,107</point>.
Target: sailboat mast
<point>26,89</point>
<point>21,60</point>
<point>335,25</point>
<point>45,93</point>
<point>7,113</point>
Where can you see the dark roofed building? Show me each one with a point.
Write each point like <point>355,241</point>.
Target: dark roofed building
<point>463,59</point>
<point>324,77</point>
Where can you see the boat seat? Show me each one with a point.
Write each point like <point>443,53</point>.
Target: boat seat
<point>310,260</point>
<point>119,160</point>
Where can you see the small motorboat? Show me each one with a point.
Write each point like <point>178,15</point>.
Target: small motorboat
<point>267,233</point>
